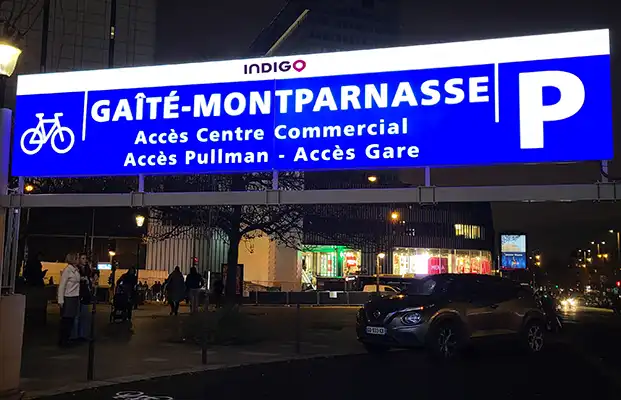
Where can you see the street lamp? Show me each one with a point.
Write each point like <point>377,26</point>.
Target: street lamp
<point>139,223</point>
<point>28,188</point>
<point>140,220</point>
<point>598,244</point>
<point>394,216</point>
<point>380,256</point>
<point>618,234</point>
<point>9,55</point>
<point>112,253</point>
<point>372,178</point>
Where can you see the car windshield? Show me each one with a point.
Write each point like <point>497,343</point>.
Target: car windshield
<point>425,286</point>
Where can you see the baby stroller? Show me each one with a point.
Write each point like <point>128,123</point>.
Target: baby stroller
<point>120,304</point>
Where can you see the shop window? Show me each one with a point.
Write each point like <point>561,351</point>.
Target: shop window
<point>468,231</point>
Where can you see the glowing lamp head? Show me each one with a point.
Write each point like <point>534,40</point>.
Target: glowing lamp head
<point>9,55</point>
<point>381,256</point>
<point>140,220</point>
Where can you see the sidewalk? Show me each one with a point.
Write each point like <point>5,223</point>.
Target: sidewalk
<point>154,349</point>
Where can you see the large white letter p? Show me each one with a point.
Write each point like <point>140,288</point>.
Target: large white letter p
<point>533,113</point>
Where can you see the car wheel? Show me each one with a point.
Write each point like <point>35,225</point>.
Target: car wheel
<point>372,348</point>
<point>445,340</point>
<point>534,336</point>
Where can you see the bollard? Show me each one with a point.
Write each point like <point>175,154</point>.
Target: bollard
<point>204,354</point>
<point>204,332</point>
<point>91,342</point>
<point>297,328</point>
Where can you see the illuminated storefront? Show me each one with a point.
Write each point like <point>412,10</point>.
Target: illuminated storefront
<point>330,261</point>
<point>417,261</point>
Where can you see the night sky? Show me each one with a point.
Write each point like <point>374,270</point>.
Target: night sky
<point>195,30</point>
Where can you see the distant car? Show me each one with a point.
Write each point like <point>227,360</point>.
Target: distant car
<point>571,302</point>
<point>382,289</point>
<point>445,312</point>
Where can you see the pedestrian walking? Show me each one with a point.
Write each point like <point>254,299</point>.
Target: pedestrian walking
<point>157,291</point>
<point>129,281</point>
<point>82,323</point>
<point>193,283</point>
<point>175,290</point>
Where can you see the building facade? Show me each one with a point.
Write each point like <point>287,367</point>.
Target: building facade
<point>171,246</point>
<point>78,35</point>
<point>415,239</point>
<point>333,26</point>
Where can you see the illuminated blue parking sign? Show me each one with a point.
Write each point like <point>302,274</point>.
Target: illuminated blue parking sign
<point>531,99</point>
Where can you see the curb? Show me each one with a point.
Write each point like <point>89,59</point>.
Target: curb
<point>38,394</point>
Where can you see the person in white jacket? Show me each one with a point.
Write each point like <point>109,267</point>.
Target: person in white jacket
<point>68,297</point>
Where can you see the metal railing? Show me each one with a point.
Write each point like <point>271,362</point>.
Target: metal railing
<point>318,298</point>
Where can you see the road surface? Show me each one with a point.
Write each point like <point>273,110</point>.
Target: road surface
<point>580,365</point>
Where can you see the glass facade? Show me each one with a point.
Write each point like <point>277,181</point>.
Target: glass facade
<point>330,261</point>
<point>408,261</point>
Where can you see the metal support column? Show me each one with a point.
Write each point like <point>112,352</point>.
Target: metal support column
<point>141,183</point>
<point>427,176</point>
<point>275,180</point>
<point>14,258</point>
<point>6,220</point>
<point>604,171</point>
<point>271,52</point>
<point>5,266</point>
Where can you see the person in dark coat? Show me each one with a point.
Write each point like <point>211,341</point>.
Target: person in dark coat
<point>33,271</point>
<point>129,280</point>
<point>193,283</point>
<point>82,324</point>
<point>175,290</point>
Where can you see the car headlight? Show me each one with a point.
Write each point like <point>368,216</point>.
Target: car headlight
<point>412,318</point>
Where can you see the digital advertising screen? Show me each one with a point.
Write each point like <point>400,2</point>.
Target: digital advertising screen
<point>512,251</point>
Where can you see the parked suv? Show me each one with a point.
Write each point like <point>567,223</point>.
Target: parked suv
<point>444,312</point>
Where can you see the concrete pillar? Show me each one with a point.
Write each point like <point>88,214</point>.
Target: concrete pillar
<point>12,310</point>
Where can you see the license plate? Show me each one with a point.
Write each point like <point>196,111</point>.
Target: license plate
<point>376,330</point>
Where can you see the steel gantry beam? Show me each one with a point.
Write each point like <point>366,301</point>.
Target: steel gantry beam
<point>605,191</point>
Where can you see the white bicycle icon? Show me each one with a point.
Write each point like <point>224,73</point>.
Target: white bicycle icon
<point>38,136</point>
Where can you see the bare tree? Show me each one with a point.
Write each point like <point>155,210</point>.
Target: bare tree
<point>282,223</point>
<point>12,16</point>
